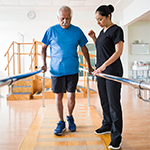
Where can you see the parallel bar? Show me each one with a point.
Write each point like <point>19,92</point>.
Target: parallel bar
<point>43,98</point>
<point>10,80</point>
<point>88,91</point>
<point>134,83</point>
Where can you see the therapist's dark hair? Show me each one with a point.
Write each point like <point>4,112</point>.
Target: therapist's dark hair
<point>105,10</point>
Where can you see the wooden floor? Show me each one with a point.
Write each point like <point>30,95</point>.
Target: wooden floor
<point>17,118</point>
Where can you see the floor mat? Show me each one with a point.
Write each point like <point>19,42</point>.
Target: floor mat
<point>40,134</point>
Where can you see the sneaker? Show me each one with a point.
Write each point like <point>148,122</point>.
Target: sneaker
<point>60,128</point>
<point>114,145</point>
<point>72,126</point>
<point>103,130</point>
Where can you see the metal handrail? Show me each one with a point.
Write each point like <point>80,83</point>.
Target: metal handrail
<point>88,87</point>
<point>14,79</point>
<point>136,84</point>
<point>141,85</point>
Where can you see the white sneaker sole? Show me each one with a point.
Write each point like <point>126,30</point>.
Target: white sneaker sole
<point>61,132</point>
<point>102,132</point>
<point>111,147</point>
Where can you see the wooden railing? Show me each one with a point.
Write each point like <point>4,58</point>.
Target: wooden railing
<point>33,54</point>
<point>12,46</point>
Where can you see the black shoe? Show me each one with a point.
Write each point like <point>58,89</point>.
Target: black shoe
<point>114,145</point>
<point>103,130</point>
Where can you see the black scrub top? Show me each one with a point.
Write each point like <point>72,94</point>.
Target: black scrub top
<point>105,47</point>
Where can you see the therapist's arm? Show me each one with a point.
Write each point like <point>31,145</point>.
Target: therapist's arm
<point>113,58</point>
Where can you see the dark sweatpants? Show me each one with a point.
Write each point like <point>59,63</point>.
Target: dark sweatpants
<point>109,92</point>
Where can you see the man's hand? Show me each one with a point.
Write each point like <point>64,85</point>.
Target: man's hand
<point>90,70</point>
<point>44,68</point>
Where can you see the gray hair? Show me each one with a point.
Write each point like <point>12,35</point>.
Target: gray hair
<point>64,8</point>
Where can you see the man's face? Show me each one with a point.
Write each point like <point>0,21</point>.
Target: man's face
<point>64,19</point>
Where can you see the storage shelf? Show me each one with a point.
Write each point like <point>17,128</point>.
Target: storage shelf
<point>140,48</point>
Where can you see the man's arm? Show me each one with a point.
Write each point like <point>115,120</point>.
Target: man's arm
<point>43,55</point>
<point>87,57</point>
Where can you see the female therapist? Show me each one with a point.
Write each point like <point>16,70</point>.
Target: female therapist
<point>109,47</point>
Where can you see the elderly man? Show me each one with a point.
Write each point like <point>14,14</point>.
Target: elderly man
<point>63,39</point>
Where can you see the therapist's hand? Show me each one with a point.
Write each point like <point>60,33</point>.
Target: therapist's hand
<point>91,34</point>
<point>99,70</point>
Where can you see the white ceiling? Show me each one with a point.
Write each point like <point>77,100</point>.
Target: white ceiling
<point>74,3</point>
<point>82,5</point>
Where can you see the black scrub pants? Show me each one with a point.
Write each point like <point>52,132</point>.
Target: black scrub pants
<point>109,92</point>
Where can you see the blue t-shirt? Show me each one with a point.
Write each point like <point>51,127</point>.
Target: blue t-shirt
<point>63,49</point>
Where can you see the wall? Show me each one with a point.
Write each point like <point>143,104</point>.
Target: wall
<point>138,30</point>
<point>124,56</point>
<point>135,10</point>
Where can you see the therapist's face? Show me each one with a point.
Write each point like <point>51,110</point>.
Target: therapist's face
<point>102,21</point>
